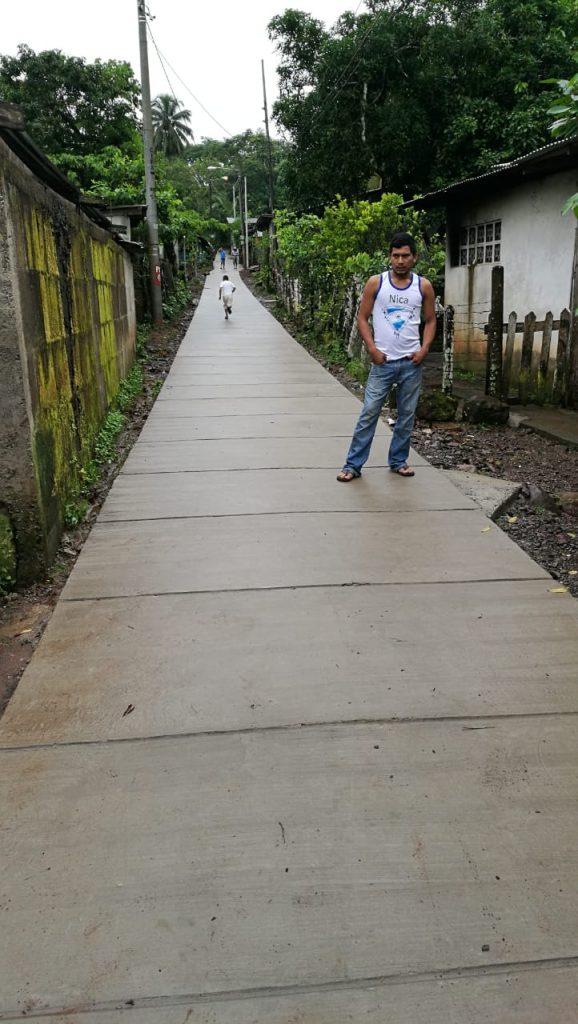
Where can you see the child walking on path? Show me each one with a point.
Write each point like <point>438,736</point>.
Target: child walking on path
<point>226,295</point>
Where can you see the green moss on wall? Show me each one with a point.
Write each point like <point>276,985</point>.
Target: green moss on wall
<point>42,257</point>
<point>7,555</point>
<point>71,279</point>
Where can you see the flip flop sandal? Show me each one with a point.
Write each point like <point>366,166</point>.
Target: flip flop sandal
<point>345,476</point>
<point>402,470</point>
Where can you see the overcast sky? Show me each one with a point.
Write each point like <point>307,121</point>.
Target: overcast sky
<point>215,48</point>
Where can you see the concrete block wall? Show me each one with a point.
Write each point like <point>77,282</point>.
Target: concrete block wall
<point>67,338</point>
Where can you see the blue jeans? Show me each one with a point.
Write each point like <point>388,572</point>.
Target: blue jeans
<point>381,378</point>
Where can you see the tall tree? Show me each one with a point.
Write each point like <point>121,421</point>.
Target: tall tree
<point>69,105</point>
<point>171,123</point>
<point>420,92</point>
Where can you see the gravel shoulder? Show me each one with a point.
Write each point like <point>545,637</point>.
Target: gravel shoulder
<point>536,520</point>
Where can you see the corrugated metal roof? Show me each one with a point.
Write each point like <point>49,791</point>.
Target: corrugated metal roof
<point>551,155</point>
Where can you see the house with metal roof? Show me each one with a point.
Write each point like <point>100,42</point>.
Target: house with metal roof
<point>510,216</point>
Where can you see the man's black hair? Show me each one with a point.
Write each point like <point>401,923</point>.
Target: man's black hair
<point>225,277</point>
<point>402,238</point>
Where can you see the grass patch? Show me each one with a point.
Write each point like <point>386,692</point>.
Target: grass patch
<point>466,374</point>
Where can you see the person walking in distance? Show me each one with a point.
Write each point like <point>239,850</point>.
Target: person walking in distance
<point>397,300</point>
<point>226,295</point>
<point>235,255</point>
<point>222,256</point>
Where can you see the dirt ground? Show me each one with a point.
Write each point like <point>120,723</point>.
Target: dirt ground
<point>25,614</point>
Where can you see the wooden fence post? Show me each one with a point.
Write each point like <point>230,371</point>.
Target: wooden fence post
<point>526,360</point>
<point>495,331</point>
<point>545,357</point>
<point>448,351</point>
<point>560,377</point>
<point>507,367</point>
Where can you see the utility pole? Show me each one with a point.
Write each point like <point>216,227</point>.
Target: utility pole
<point>247,261</point>
<point>269,150</point>
<point>151,201</point>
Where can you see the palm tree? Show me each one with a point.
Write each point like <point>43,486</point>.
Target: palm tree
<point>171,125</point>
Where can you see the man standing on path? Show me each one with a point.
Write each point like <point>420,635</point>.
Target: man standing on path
<point>222,254</point>
<point>226,294</point>
<point>397,300</point>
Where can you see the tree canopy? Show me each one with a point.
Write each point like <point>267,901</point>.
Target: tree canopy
<point>420,93</point>
<point>69,105</point>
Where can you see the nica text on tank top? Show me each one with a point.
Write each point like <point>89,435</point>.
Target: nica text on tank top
<point>397,316</point>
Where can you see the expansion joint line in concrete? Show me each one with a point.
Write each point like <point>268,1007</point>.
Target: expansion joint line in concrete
<point>105,523</point>
<point>237,469</point>
<point>469,723</point>
<point>295,991</point>
<point>245,437</point>
<point>165,418</point>
<point>306,586</point>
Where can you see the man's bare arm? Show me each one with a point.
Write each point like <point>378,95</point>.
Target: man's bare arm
<point>365,310</point>
<point>429,315</point>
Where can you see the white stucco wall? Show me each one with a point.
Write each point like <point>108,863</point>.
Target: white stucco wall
<point>537,255</point>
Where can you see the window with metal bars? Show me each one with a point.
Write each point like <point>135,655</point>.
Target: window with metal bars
<point>480,243</point>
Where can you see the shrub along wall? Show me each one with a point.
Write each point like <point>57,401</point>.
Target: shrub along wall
<point>67,338</point>
<point>320,265</point>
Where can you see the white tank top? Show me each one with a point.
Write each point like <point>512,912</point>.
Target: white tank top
<point>397,316</point>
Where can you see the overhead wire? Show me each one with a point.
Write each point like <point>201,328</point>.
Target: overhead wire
<point>164,60</point>
<point>335,88</point>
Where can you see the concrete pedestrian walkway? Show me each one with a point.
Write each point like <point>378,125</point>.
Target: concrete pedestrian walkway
<point>290,750</point>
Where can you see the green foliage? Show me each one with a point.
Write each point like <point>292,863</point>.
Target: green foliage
<point>75,513</point>
<point>565,111</point>
<point>465,374</point>
<point>419,93</point>
<point>349,241</point>
<point>221,163</point>
<point>69,103</point>
<point>130,388</point>
<point>436,407</point>
<point>113,174</point>
<point>176,300</point>
<point>105,444</point>
<point>358,369</point>
<point>142,335</point>
<point>171,124</point>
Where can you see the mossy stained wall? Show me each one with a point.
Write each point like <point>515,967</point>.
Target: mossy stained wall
<point>74,332</point>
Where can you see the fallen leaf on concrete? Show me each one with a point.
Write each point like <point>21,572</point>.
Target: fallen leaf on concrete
<point>558,590</point>
<point>486,529</point>
<point>128,711</point>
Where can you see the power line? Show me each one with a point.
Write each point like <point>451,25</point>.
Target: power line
<point>170,84</point>
<point>184,84</point>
